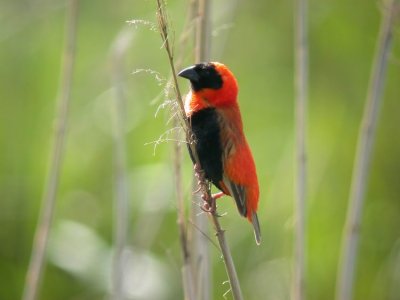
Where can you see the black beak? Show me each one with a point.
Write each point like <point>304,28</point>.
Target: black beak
<point>190,73</point>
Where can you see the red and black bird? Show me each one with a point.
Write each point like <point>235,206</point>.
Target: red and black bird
<point>225,156</point>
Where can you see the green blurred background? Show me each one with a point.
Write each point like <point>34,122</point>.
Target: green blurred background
<point>255,39</point>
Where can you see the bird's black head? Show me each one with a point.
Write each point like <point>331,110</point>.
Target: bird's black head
<point>203,75</point>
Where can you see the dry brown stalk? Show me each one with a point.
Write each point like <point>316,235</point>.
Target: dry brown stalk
<point>121,186</point>
<point>201,260</point>
<point>37,260</point>
<point>366,137</point>
<point>301,87</point>
<point>204,186</point>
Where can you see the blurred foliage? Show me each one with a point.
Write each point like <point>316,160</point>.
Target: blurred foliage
<point>257,44</point>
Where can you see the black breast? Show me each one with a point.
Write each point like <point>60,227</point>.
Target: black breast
<point>206,130</point>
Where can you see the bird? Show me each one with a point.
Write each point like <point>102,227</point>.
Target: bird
<point>214,117</point>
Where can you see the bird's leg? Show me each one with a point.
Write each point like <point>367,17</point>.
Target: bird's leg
<point>218,195</point>
<point>210,202</point>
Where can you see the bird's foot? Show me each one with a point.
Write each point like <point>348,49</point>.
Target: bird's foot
<point>209,200</point>
<point>210,203</point>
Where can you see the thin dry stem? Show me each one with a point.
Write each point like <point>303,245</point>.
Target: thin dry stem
<point>203,31</point>
<point>301,87</point>
<point>121,188</point>
<point>366,137</point>
<point>187,271</point>
<point>36,264</point>
<point>187,267</point>
<point>163,28</point>
<point>205,189</point>
<point>229,264</point>
<point>201,261</point>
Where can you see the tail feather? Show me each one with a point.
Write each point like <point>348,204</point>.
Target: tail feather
<point>256,225</point>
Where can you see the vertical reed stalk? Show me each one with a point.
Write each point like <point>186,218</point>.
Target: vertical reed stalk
<point>301,91</point>
<point>199,243</point>
<point>164,31</point>
<point>203,31</point>
<point>187,268</point>
<point>121,187</point>
<point>36,264</point>
<point>366,137</point>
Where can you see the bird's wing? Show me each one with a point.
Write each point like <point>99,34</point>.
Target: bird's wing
<point>238,192</point>
<point>232,139</point>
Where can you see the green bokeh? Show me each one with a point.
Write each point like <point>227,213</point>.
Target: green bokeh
<point>257,44</point>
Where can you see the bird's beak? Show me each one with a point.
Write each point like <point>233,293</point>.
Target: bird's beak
<point>189,73</point>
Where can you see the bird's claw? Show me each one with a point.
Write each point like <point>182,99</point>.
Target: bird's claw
<point>209,201</point>
<point>210,208</point>
<point>210,204</point>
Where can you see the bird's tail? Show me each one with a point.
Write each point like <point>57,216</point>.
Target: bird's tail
<point>256,225</point>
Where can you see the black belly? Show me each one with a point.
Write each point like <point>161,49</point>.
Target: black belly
<point>206,130</point>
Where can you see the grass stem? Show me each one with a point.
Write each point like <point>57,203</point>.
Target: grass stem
<point>201,260</point>
<point>366,137</point>
<point>37,260</point>
<point>301,91</point>
<point>230,268</point>
<point>121,188</point>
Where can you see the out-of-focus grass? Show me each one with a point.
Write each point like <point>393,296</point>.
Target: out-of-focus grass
<point>259,50</point>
